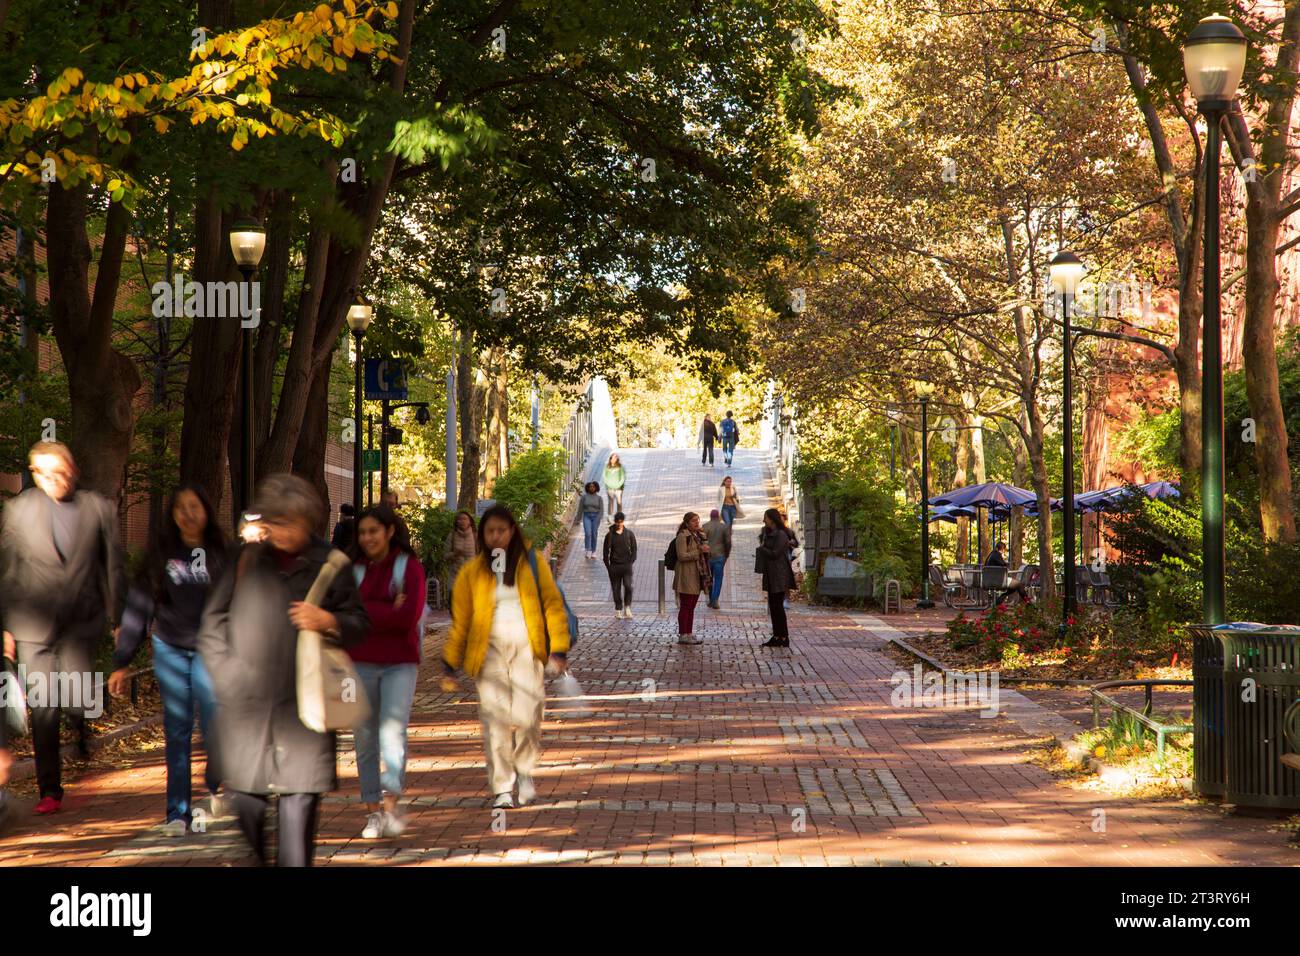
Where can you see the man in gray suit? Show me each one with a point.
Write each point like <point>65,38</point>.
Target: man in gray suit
<point>61,576</point>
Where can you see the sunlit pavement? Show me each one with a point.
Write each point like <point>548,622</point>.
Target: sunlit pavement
<point>724,753</point>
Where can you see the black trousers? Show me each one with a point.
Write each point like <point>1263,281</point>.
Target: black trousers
<point>708,453</point>
<point>620,582</point>
<point>776,608</point>
<point>55,672</point>
<point>295,826</point>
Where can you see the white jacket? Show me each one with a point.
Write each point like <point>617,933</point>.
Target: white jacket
<point>735,493</point>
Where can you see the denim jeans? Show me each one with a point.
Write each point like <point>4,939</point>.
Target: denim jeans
<point>716,565</point>
<point>184,683</point>
<point>728,448</point>
<point>390,689</point>
<point>590,525</point>
<point>729,514</point>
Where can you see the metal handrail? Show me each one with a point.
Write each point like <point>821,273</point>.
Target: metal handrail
<point>1144,717</point>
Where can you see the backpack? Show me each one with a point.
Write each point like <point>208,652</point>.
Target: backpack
<point>573,618</point>
<point>396,586</point>
<point>670,556</point>
<point>729,429</point>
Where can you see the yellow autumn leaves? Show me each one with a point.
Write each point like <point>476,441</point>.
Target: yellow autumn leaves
<point>229,86</point>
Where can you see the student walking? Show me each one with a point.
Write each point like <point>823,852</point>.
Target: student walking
<point>249,643</point>
<point>729,501</point>
<point>615,478</point>
<point>708,435</point>
<point>593,509</point>
<point>345,529</point>
<point>166,605</point>
<point>717,534</point>
<point>462,546</point>
<point>62,575</point>
<point>730,437</point>
<point>690,576</point>
<point>776,550</point>
<point>619,555</point>
<point>501,626</point>
<point>390,580</point>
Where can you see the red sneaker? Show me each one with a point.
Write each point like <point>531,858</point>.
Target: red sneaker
<point>48,805</point>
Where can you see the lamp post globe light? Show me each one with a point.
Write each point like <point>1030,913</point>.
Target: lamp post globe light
<point>1065,270</point>
<point>1214,57</point>
<point>923,392</point>
<point>360,314</point>
<point>247,243</point>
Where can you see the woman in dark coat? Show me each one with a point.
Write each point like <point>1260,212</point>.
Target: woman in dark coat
<point>249,641</point>
<point>777,544</point>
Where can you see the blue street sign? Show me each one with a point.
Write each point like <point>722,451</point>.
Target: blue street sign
<point>385,378</point>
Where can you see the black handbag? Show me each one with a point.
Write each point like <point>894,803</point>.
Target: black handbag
<point>760,560</point>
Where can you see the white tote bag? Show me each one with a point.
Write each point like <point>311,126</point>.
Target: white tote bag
<point>330,695</point>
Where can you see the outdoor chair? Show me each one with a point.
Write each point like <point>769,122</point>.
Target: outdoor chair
<point>1032,576</point>
<point>943,585</point>
<point>993,584</point>
<point>1105,593</point>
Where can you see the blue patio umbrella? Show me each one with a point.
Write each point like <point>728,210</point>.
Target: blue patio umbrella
<point>1161,489</point>
<point>989,494</point>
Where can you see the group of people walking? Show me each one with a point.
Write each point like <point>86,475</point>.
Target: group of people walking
<point>727,432</point>
<point>223,621</point>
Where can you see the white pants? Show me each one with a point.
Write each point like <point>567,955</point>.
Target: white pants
<point>512,696</point>
<point>615,496</point>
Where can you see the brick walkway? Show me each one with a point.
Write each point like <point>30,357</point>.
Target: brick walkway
<point>722,753</point>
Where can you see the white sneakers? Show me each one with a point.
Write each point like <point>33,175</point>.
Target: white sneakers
<point>527,792</point>
<point>688,639</point>
<point>503,801</point>
<point>374,827</point>
<point>625,613</point>
<point>175,828</point>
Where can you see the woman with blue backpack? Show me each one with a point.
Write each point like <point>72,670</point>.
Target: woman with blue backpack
<point>391,582</point>
<point>509,620</point>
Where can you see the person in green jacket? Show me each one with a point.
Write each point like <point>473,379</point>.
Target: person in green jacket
<point>615,479</point>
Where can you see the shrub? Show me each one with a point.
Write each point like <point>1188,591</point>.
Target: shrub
<point>530,488</point>
<point>430,526</point>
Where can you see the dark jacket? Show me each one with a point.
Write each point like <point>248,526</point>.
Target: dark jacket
<point>249,647</point>
<point>175,609</point>
<point>777,545</point>
<point>620,549</point>
<point>45,598</point>
<point>345,532</point>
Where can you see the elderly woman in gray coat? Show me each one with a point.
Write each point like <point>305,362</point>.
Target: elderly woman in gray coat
<point>776,546</point>
<point>249,640</point>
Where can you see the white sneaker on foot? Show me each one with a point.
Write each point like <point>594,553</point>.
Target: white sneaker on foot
<point>175,828</point>
<point>503,801</point>
<point>627,613</point>
<point>374,827</point>
<point>527,792</point>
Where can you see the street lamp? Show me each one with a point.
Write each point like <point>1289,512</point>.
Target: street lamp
<point>247,243</point>
<point>1066,270</point>
<point>923,391</point>
<point>1214,58</point>
<point>360,314</point>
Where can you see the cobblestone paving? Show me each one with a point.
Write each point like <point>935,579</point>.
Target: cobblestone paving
<point>722,754</point>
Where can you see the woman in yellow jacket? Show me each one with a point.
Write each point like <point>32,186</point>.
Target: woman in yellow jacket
<point>501,618</point>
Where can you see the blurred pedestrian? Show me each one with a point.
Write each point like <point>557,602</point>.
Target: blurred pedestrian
<point>62,575</point>
<point>729,501</point>
<point>717,533</point>
<point>462,546</point>
<point>249,643</point>
<point>619,556</point>
<point>777,544</point>
<point>615,478</point>
<point>166,605</point>
<point>593,509</point>
<point>690,575</point>
<point>505,626</point>
<point>390,580</point>
<point>345,530</point>
<point>708,435</point>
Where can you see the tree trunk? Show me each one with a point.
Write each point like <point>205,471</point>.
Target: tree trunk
<point>962,458</point>
<point>976,434</point>
<point>497,417</point>
<point>309,456</point>
<point>101,381</point>
<point>471,397</point>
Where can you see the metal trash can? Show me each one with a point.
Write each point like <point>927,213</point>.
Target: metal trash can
<point>1255,713</point>
<point>1207,711</point>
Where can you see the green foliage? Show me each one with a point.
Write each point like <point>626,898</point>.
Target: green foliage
<point>430,526</point>
<point>531,489</point>
<point>888,533</point>
<point>1152,440</point>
